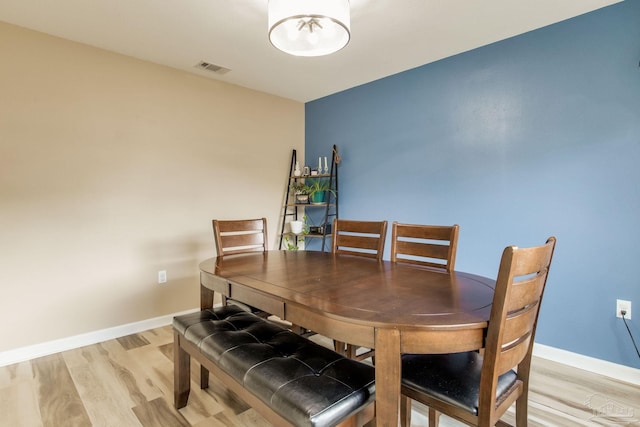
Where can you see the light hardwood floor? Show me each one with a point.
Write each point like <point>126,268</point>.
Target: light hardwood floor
<point>129,382</point>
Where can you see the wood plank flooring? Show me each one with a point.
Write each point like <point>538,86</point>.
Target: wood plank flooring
<point>129,382</point>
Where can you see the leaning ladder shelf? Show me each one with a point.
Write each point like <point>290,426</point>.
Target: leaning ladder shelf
<point>294,210</point>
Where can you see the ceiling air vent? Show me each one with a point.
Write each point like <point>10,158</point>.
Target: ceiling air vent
<point>212,67</point>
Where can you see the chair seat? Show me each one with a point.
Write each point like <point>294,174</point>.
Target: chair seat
<point>453,378</point>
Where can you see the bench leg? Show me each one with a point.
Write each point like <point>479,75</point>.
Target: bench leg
<point>181,373</point>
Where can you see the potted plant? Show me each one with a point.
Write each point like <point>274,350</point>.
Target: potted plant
<point>317,190</point>
<point>301,192</point>
<point>299,229</point>
<point>296,226</point>
<point>292,245</point>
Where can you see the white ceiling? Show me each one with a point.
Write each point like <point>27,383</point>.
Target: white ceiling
<point>387,36</point>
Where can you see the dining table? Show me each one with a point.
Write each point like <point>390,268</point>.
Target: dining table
<point>393,308</point>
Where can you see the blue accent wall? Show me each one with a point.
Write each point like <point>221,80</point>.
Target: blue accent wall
<point>529,137</point>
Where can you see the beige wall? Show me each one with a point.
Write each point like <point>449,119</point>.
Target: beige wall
<point>111,169</point>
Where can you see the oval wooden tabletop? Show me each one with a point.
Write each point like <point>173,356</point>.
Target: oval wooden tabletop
<point>363,290</point>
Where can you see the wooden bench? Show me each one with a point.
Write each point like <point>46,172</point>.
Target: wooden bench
<point>288,379</point>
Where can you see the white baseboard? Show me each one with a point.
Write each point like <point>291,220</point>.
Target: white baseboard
<point>44,349</point>
<point>597,366</point>
<point>591,364</point>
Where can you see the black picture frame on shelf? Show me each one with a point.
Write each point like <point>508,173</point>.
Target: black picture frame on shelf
<point>320,229</point>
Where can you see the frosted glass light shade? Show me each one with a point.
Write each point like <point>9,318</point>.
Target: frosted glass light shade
<point>309,27</point>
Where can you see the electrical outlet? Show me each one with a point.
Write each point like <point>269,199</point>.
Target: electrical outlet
<point>622,305</point>
<point>162,276</point>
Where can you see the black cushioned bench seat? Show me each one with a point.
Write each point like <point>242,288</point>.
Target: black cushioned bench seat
<point>295,381</point>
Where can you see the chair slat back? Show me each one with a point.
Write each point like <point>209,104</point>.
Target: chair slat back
<point>427,245</point>
<point>514,314</point>
<point>361,238</point>
<point>240,236</point>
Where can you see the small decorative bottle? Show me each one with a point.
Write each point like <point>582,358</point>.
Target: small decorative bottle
<point>296,171</point>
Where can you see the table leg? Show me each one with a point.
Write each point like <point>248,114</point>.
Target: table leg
<point>206,298</point>
<point>206,302</point>
<point>388,371</point>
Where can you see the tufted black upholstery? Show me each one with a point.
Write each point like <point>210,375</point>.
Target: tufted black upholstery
<point>453,378</point>
<point>304,382</point>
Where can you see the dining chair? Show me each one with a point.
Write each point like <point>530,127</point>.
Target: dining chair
<point>360,238</point>
<point>478,387</point>
<point>426,245</point>
<point>235,237</point>
<point>240,236</point>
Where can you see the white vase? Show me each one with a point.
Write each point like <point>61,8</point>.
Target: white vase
<point>296,227</point>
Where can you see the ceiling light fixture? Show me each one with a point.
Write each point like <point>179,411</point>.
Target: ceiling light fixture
<point>309,27</point>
